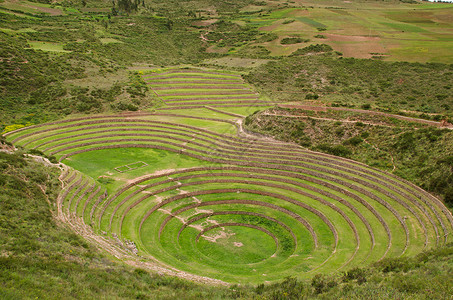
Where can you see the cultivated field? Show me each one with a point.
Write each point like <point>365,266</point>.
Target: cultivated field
<point>195,88</point>
<point>390,31</point>
<point>191,193</point>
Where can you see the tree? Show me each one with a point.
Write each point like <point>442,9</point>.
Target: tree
<point>169,24</point>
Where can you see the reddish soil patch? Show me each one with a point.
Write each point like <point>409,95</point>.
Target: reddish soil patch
<point>358,46</point>
<point>273,26</point>
<point>350,38</point>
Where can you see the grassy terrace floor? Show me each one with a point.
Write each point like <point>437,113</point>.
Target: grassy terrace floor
<point>184,87</point>
<point>205,198</point>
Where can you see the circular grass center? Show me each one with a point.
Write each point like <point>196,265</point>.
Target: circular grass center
<point>237,245</point>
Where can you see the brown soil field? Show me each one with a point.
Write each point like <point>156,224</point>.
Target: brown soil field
<point>358,46</point>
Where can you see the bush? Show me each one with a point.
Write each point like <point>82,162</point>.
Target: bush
<point>354,141</point>
<point>288,21</point>
<point>322,284</point>
<point>395,265</point>
<point>293,40</point>
<point>311,96</point>
<point>365,134</point>
<point>448,196</point>
<point>268,37</point>
<point>355,274</point>
<point>126,106</point>
<point>312,49</point>
<point>339,131</point>
<point>338,150</point>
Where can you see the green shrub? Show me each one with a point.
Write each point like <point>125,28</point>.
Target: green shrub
<point>338,150</point>
<point>395,265</point>
<point>321,283</point>
<point>293,40</point>
<point>126,106</point>
<point>288,21</point>
<point>312,49</point>
<point>354,141</point>
<point>311,96</point>
<point>267,37</point>
<point>355,274</point>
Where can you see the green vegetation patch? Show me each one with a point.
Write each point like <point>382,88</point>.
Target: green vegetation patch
<point>404,27</point>
<point>348,82</point>
<point>293,40</point>
<point>311,22</point>
<point>104,162</point>
<point>110,41</point>
<point>46,46</point>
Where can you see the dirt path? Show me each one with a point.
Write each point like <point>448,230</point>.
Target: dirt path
<point>328,119</point>
<point>324,108</point>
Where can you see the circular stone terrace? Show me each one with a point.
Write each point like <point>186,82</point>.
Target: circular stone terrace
<point>185,193</point>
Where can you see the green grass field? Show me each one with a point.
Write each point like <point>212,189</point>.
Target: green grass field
<point>45,46</point>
